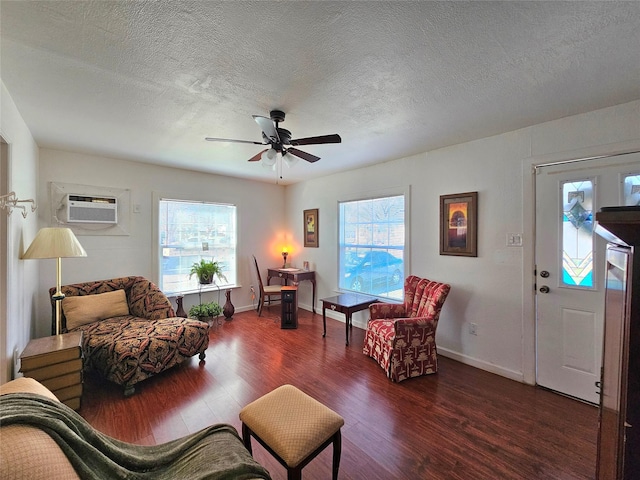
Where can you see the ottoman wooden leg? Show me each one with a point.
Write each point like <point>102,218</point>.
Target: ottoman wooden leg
<point>294,473</point>
<point>337,450</point>
<point>246,437</point>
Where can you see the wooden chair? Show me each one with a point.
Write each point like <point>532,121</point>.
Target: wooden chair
<point>266,291</point>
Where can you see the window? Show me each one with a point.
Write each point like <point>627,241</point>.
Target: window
<point>190,231</point>
<point>372,246</point>
<point>577,233</point>
<point>631,189</point>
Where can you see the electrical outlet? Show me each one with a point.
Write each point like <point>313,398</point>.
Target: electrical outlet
<point>473,328</point>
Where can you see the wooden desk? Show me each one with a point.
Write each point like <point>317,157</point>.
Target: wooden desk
<point>295,276</point>
<point>346,303</point>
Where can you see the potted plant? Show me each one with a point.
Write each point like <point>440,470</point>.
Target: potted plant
<point>206,270</point>
<point>205,311</point>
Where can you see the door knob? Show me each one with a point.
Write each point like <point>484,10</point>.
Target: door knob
<point>544,289</point>
<point>544,274</point>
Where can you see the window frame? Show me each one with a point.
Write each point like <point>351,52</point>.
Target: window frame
<point>623,178</point>
<point>157,254</point>
<point>405,191</point>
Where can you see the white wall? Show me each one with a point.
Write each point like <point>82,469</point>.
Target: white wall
<point>260,219</point>
<point>21,285</point>
<point>494,290</point>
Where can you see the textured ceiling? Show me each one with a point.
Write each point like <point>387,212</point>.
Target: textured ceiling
<point>148,81</point>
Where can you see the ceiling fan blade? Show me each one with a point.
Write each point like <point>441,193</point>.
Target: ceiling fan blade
<point>257,156</point>
<point>211,139</point>
<point>304,155</point>
<point>335,138</point>
<point>268,127</point>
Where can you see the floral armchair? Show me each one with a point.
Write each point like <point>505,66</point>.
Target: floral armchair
<point>401,337</point>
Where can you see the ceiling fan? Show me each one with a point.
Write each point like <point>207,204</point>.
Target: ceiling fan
<point>281,141</point>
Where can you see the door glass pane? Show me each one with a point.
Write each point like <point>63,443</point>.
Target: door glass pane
<point>577,233</point>
<point>631,190</point>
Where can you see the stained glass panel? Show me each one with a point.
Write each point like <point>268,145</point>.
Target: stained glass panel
<point>631,190</point>
<point>577,233</point>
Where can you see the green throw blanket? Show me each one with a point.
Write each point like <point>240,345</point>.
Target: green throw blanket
<point>215,452</point>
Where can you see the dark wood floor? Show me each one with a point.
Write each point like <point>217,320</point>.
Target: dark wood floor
<point>462,423</point>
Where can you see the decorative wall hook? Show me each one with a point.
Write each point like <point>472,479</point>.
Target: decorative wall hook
<point>10,201</point>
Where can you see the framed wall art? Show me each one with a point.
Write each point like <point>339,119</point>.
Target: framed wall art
<point>311,228</point>
<point>459,224</point>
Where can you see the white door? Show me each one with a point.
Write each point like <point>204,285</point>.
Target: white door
<point>569,267</point>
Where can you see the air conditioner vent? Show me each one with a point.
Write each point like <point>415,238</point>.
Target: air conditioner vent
<point>91,209</point>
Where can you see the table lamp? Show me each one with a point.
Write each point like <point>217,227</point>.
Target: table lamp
<point>285,252</point>
<point>55,242</point>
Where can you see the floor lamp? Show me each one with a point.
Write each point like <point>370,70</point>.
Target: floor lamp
<point>55,242</point>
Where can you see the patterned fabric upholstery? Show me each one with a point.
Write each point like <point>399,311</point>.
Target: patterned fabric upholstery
<point>26,452</point>
<point>130,348</point>
<point>291,422</point>
<point>401,337</point>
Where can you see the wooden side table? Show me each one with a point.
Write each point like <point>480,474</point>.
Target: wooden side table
<point>295,276</point>
<point>56,362</point>
<point>347,303</point>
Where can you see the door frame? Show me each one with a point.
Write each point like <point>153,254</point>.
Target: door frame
<point>5,188</point>
<point>529,165</point>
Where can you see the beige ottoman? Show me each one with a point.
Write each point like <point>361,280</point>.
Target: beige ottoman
<point>293,427</point>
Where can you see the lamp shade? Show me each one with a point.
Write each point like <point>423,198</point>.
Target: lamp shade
<point>55,242</point>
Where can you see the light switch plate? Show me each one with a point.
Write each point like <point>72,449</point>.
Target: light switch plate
<point>514,239</point>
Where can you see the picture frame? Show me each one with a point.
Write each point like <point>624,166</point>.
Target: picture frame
<point>459,224</point>
<point>311,228</point>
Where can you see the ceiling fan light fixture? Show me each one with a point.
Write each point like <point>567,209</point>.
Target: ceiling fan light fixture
<point>269,158</point>
<point>280,142</point>
<point>289,159</point>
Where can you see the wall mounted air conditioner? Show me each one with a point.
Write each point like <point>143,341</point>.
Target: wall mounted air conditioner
<point>91,209</point>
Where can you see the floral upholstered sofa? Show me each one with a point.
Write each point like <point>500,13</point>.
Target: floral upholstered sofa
<point>130,330</point>
<point>402,337</point>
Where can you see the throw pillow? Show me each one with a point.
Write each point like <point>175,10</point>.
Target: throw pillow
<point>80,310</point>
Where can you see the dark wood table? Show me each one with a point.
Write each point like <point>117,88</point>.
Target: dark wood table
<point>295,276</point>
<point>346,303</point>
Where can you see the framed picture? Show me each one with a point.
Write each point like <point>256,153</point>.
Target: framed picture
<point>311,228</point>
<point>459,224</point>
<point>305,266</point>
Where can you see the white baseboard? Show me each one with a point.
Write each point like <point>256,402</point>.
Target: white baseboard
<point>362,324</point>
<point>482,365</point>
<point>467,360</point>
<point>247,308</point>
